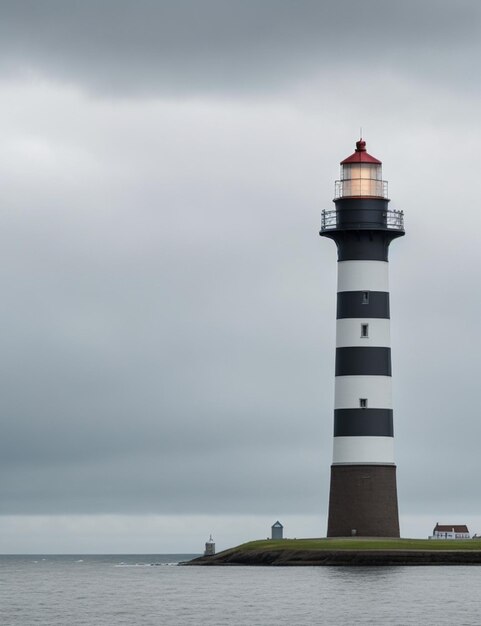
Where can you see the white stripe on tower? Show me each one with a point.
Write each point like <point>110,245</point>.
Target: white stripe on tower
<point>362,332</point>
<point>362,275</point>
<point>363,450</point>
<point>350,388</point>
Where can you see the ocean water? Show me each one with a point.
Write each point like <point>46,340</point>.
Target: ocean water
<point>152,590</point>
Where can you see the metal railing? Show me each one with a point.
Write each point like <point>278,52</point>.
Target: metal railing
<point>392,219</point>
<point>328,219</point>
<point>395,219</point>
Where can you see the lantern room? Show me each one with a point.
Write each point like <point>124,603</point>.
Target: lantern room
<point>361,176</point>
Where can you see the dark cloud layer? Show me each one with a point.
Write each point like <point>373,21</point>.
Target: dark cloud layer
<point>231,47</point>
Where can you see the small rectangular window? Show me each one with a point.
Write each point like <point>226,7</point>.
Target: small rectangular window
<point>363,403</point>
<point>365,297</point>
<point>364,330</point>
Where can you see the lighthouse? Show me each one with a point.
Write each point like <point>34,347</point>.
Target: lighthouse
<point>363,493</point>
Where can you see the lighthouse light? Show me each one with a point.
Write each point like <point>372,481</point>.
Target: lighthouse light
<point>361,179</point>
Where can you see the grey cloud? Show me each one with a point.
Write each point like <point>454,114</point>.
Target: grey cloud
<point>219,46</point>
<point>168,483</point>
<point>130,361</point>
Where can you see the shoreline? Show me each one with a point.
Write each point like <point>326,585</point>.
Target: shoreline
<point>287,558</point>
<point>328,552</point>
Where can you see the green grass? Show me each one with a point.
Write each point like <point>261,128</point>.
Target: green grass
<point>357,543</point>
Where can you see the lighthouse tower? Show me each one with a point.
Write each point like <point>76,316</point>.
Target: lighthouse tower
<point>363,494</point>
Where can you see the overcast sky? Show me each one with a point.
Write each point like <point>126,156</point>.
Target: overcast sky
<point>168,308</point>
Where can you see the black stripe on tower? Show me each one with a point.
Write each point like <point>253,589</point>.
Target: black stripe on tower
<point>362,245</point>
<point>365,304</point>
<point>360,361</point>
<point>363,423</point>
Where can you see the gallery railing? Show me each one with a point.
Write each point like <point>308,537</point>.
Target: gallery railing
<point>391,219</point>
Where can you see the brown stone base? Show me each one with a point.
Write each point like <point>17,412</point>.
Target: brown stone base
<point>363,498</point>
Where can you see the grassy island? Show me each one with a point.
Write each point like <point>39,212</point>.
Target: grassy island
<point>349,551</point>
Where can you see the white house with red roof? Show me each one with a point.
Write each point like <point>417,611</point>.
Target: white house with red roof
<point>450,531</point>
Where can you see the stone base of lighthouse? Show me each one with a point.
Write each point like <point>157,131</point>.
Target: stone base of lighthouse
<point>363,501</point>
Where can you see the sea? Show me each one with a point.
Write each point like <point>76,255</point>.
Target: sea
<point>154,590</point>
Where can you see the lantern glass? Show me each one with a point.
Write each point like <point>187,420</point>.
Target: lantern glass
<point>362,179</point>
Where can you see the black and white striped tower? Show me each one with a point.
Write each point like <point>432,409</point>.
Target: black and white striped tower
<point>363,494</point>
